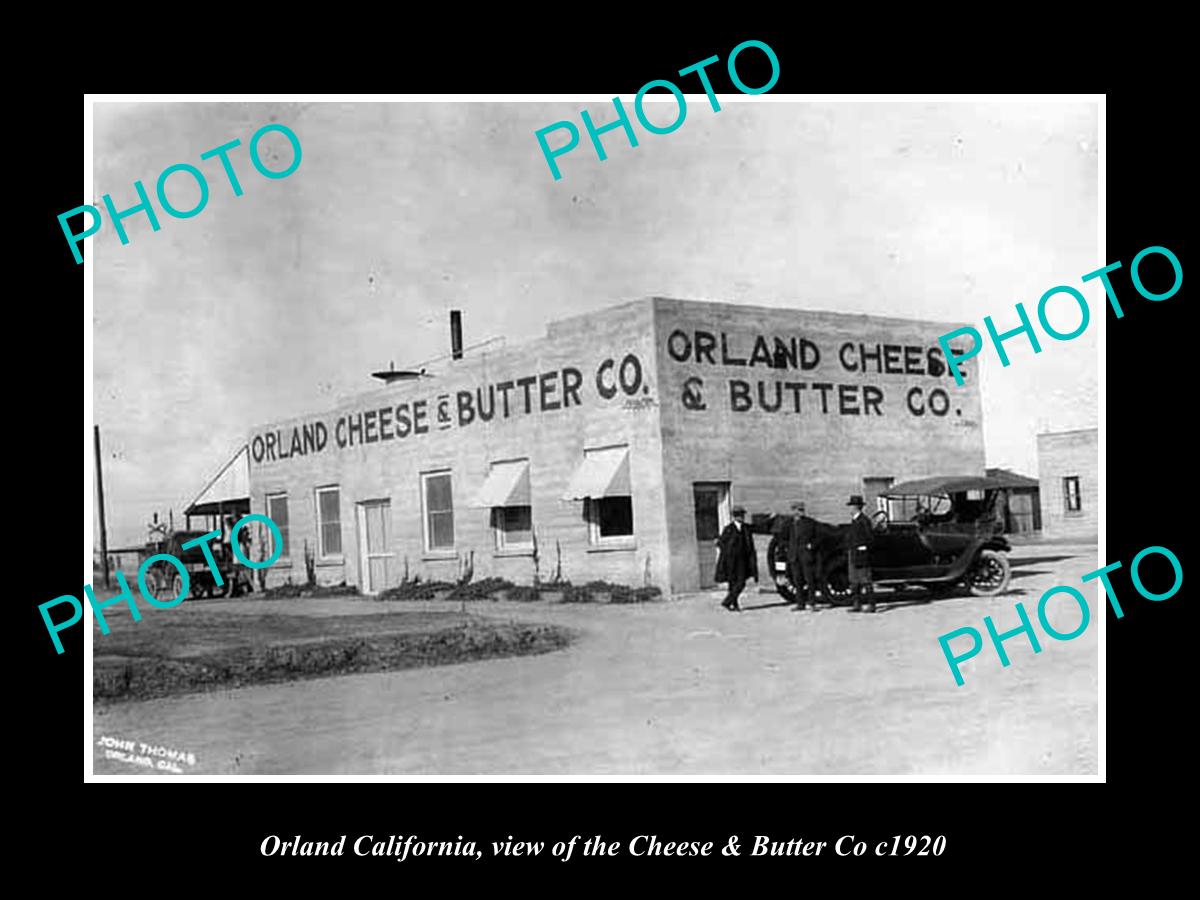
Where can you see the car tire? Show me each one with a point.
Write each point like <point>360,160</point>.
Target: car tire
<point>837,585</point>
<point>989,574</point>
<point>783,582</point>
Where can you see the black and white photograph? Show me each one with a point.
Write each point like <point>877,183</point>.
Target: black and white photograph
<point>514,437</point>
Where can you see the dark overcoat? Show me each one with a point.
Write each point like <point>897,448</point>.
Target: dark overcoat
<point>859,537</point>
<point>802,548</point>
<point>737,559</point>
<point>803,536</point>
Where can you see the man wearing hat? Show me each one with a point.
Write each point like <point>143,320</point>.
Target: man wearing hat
<point>737,561</point>
<point>802,557</point>
<point>858,543</point>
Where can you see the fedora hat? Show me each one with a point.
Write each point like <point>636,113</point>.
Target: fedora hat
<point>856,500</point>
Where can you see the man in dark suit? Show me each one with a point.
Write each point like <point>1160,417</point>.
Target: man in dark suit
<point>858,544</point>
<point>737,561</point>
<point>802,557</point>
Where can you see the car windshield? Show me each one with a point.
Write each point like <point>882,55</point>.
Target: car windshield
<point>920,507</point>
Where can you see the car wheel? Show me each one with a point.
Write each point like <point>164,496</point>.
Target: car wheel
<point>783,582</point>
<point>990,573</point>
<point>786,589</point>
<point>837,585</point>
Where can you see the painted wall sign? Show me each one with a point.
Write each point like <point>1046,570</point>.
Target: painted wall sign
<point>784,394</point>
<point>622,376</point>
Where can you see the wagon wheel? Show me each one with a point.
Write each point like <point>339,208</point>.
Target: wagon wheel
<point>163,582</point>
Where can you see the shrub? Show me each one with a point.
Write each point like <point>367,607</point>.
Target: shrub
<point>636,595</point>
<point>290,591</point>
<point>618,593</point>
<point>604,587</point>
<point>480,590</point>
<point>577,594</point>
<point>415,590</point>
<point>524,594</point>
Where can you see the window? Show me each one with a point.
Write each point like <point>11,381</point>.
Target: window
<point>277,512</point>
<point>514,527</point>
<point>437,496</point>
<point>602,482</point>
<point>329,520</point>
<point>506,493</point>
<point>1071,496</point>
<point>611,519</point>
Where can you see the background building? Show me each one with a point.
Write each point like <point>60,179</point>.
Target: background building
<point>616,445</point>
<point>1021,512</point>
<point>1068,470</point>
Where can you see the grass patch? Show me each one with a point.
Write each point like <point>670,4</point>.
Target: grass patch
<point>168,654</point>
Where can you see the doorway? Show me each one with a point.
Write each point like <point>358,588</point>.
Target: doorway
<point>712,515</point>
<point>375,556</point>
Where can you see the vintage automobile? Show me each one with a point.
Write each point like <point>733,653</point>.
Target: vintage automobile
<point>831,547</point>
<point>938,533</point>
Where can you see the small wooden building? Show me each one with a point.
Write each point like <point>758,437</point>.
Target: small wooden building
<point>1022,509</point>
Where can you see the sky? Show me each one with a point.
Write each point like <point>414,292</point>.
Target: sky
<point>283,300</point>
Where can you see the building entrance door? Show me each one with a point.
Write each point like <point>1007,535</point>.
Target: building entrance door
<point>374,526</point>
<point>712,515</point>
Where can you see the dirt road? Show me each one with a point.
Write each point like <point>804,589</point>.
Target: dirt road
<point>676,688</point>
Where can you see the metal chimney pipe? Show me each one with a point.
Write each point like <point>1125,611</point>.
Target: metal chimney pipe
<point>456,337</point>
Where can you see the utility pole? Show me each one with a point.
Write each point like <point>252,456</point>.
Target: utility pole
<point>100,497</point>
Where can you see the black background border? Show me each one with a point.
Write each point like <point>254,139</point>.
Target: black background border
<point>988,826</point>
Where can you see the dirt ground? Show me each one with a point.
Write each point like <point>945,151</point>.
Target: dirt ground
<point>679,687</point>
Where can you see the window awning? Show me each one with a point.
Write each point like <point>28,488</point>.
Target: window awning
<point>507,484</point>
<point>603,473</point>
<point>229,490</point>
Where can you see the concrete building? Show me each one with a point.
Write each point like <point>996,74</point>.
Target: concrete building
<point>1068,470</point>
<point>621,440</point>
